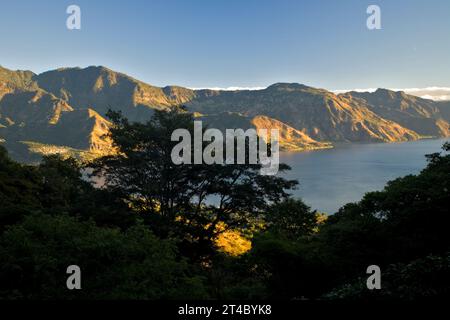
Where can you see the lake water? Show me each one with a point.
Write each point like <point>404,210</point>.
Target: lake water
<point>333,177</point>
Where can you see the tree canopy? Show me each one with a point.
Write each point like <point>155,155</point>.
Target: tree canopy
<point>151,230</point>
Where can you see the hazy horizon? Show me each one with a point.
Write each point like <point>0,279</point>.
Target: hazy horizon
<point>248,44</point>
<point>436,93</point>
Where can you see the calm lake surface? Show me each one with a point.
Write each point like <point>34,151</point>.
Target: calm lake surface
<point>333,177</point>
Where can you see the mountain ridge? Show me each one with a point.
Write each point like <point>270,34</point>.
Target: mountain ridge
<point>67,106</point>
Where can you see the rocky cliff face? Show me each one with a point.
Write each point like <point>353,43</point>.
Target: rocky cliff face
<point>290,139</point>
<point>318,113</point>
<point>12,81</point>
<point>421,115</point>
<point>102,89</point>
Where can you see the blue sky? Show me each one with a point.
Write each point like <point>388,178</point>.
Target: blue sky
<point>243,43</point>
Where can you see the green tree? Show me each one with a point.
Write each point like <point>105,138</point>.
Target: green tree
<point>114,264</point>
<point>426,278</point>
<point>292,219</point>
<point>63,189</point>
<point>178,199</point>
<point>19,190</point>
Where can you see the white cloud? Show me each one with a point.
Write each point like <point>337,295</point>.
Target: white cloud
<point>357,90</point>
<point>436,98</point>
<point>230,88</point>
<point>433,93</point>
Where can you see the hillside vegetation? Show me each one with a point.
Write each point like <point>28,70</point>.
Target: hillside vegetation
<point>149,233</point>
<point>67,107</point>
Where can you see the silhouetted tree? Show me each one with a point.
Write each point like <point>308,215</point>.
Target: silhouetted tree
<point>189,200</point>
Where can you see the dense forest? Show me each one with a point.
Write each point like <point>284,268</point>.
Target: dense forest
<point>150,231</point>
